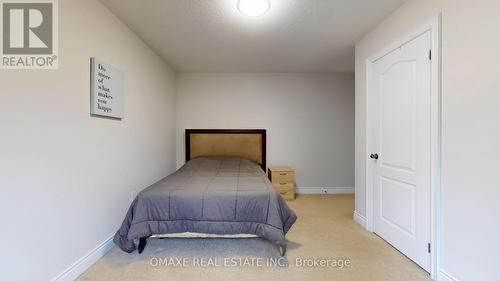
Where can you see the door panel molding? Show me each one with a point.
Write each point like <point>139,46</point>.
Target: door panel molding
<point>403,185</point>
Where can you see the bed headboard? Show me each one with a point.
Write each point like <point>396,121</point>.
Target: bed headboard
<point>246,143</point>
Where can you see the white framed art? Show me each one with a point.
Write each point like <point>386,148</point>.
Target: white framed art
<point>106,90</point>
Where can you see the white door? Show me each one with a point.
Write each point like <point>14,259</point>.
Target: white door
<point>401,89</point>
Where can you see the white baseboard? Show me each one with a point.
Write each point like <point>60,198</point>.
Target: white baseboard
<point>360,219</point>
<point>445,276</point>
<point>81,265</point>
<point>324,190</point>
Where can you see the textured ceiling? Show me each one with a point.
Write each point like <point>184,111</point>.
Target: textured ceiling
<point>294,36</point>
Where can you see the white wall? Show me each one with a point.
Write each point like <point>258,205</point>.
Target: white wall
<point>66,178</point>
<point>309,118</point>
<point>471,132</point>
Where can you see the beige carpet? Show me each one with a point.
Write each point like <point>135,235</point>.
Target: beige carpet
<point>324,230</point>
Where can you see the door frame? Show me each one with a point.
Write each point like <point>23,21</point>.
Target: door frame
<point>434,26</point>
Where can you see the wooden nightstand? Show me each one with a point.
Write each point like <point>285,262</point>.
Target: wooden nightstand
<point>283,179</point>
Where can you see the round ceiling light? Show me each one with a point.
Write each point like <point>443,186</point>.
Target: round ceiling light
<point>253,8</point>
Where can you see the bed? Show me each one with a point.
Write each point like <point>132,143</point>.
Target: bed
<point>221,191</point>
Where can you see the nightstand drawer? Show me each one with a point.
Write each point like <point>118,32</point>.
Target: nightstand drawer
<point>287,195</point>
<point>282,176</point>
<point>284,186</point>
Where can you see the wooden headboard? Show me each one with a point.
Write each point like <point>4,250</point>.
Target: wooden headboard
<point>246,143</point>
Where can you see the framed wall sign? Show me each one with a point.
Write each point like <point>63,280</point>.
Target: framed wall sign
<point>106,90</point>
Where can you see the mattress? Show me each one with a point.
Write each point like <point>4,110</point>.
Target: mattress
<point>202,235</point>
<point>209,195</point>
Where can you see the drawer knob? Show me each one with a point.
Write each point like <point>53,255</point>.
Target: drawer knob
<point>283,174</point>
<point>283,183</point>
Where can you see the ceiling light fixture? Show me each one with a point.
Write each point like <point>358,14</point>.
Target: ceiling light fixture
<point>253,8</point>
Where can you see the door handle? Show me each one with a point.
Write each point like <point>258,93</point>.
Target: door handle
<point>374,156</point>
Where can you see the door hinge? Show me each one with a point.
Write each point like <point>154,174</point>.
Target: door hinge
<point>430,54</point>
<point>429,248</point>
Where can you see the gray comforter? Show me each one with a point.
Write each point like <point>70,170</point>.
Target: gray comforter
<point>217,195</point>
